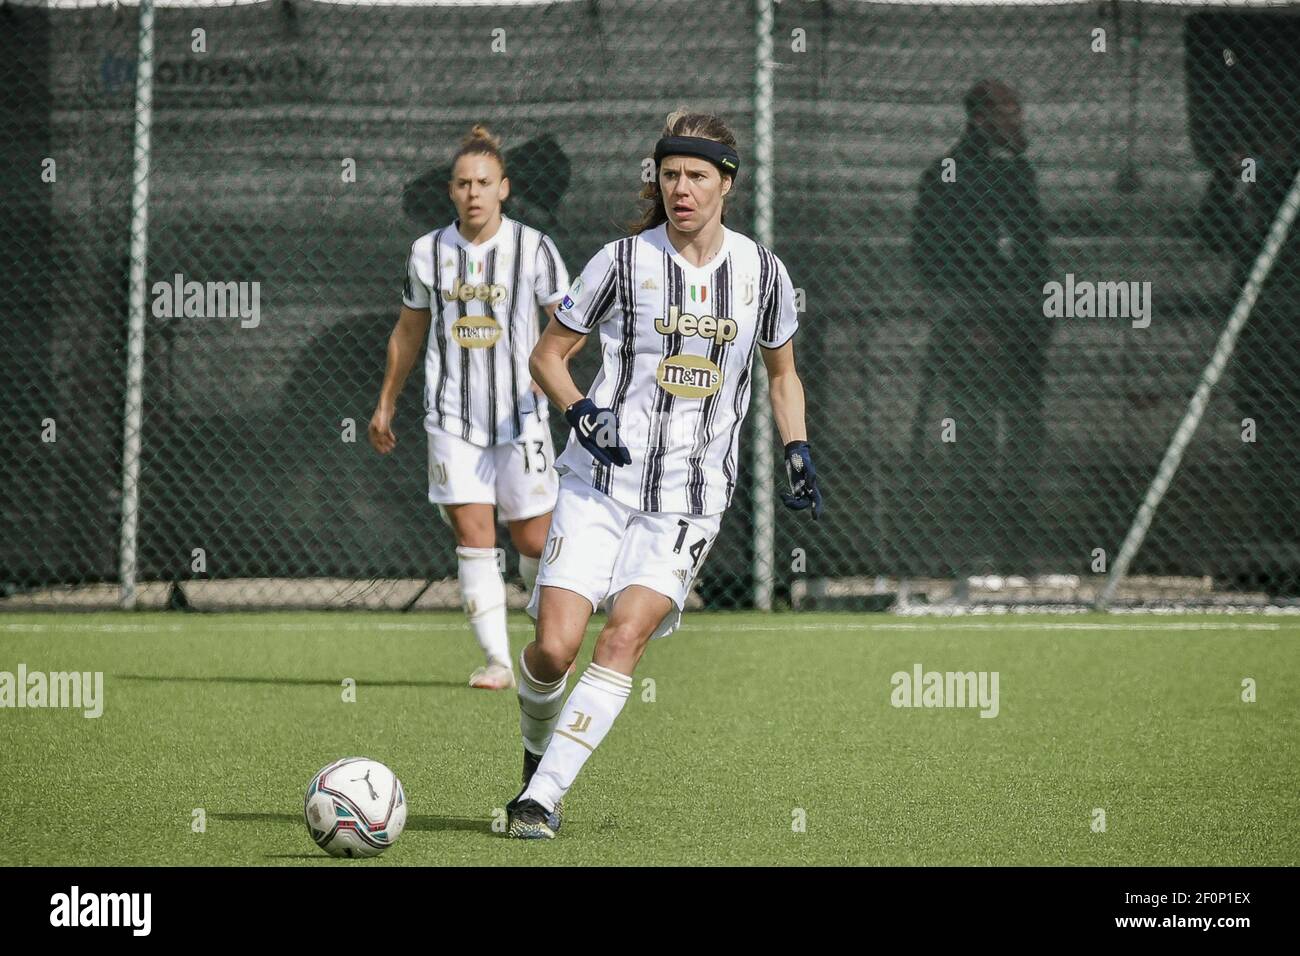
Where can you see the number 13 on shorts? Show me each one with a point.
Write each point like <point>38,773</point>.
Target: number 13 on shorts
<point>534,456</point>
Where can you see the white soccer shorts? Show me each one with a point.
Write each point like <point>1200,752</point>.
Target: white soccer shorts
<point>598,546</point>
<point>518,477</point>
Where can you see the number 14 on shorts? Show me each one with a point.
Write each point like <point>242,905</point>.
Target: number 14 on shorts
<point>696,550</point>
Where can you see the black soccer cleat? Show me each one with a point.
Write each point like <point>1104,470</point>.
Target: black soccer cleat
<point>555,818</point>
<point>528,821</point>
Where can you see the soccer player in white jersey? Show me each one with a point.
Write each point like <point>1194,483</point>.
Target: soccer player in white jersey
<point>680,307</point>
<point>489,443</point>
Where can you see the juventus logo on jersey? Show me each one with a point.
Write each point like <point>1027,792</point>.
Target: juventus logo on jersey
<point>746,289</point>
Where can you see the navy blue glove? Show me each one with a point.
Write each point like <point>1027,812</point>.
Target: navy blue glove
<point>803,480</point>
<point>597,431</point>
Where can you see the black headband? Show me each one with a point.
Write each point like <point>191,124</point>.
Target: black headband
<point>719,154</point>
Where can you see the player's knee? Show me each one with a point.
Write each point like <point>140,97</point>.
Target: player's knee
<point>623,641</point>
<point>472,525</point>
<point>550,659</point>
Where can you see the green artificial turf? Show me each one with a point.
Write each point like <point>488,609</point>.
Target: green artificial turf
<point>754,718</point>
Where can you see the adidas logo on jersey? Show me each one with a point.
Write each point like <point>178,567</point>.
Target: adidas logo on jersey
<point>649,284</point>
<point>706,326</point>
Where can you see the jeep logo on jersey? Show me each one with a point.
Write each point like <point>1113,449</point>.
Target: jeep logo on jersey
<point>689,376</point>
<point>706,326</point>
<point>495,293</point>
<point>476,331</point>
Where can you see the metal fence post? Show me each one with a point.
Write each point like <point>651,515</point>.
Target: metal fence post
<point>139,245</point>
<point>762,479</point>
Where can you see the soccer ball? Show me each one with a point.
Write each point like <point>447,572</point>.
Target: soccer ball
<point>355,807</point>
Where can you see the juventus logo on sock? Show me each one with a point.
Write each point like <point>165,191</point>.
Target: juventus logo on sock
<point>588,715</point>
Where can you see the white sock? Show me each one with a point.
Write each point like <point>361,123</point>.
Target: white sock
<point>587,717</point>
<point>483,595</point>
<point>528,571</point>
<point>539,708</point>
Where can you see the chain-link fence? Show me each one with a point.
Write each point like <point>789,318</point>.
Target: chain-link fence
<point>1019,234</point>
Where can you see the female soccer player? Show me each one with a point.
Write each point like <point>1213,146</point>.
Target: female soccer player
<point>652,461</point>
<point>489,444</point>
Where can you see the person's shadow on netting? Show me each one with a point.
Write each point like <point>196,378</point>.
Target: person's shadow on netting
<point>367,514</point>
<point>979,245</point>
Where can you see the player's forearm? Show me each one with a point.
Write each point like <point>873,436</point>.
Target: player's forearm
<point>786,395</point>
<point>551,372</point>
<point>403,349</point>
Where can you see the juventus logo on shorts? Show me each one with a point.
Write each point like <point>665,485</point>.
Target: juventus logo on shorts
<point>438,473</point>
<point>553,549</point>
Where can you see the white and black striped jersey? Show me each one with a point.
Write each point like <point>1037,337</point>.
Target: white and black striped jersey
<point>483,327</point>
<point>677,348</point>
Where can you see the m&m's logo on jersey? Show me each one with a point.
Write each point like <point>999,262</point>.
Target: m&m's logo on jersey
<point>689,376</point>
<point>476,331</point>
